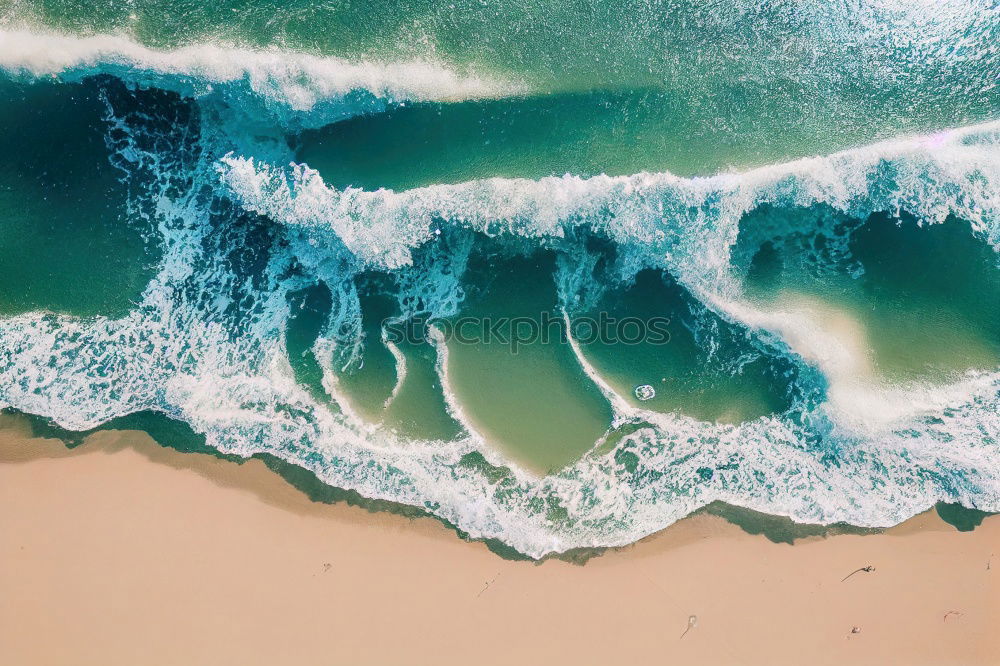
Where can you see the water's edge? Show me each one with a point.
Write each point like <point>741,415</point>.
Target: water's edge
<point>178,436</point>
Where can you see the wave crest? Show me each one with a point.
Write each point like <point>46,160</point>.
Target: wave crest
<point>686,225</point>
<point>314,89</point>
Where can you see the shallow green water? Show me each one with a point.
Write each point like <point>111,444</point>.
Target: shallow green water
<point>609,132</point>
<point>560,414</point>
<point>417,409</point>
<point>309,309</point>
<point>368,381</point>
<point>679,369</point>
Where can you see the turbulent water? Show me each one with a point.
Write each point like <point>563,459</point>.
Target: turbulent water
<point>217,211</point>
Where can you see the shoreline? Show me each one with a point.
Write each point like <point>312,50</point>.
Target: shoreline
<point>124,551</point>
<point>177,437</point>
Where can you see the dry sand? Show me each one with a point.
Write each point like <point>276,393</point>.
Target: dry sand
<point>122,552</point>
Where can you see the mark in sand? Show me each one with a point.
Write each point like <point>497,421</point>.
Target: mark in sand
<point>487,585</point>
<point>867,569</point>
<point>692,622</point>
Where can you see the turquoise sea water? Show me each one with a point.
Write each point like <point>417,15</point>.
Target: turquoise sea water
<point>223,212</point>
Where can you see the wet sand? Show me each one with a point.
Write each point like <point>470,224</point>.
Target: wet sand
<point>123,552</point>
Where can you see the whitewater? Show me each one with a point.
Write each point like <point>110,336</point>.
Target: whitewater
<point>242,226</point>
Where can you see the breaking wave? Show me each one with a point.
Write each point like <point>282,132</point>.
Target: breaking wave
<point>685,225</point>
<point>293,87</point>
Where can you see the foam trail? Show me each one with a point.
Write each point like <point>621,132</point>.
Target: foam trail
<point>400,359</point>
<point>454,407</point>
<point>622,410</point>
<point>323,351</point>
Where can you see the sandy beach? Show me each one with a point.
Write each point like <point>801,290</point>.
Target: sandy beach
<point>124,552</point>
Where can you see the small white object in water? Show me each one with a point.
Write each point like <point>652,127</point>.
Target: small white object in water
<point>645,392</point>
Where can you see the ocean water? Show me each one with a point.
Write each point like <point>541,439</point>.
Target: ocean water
<point>226,212</point>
